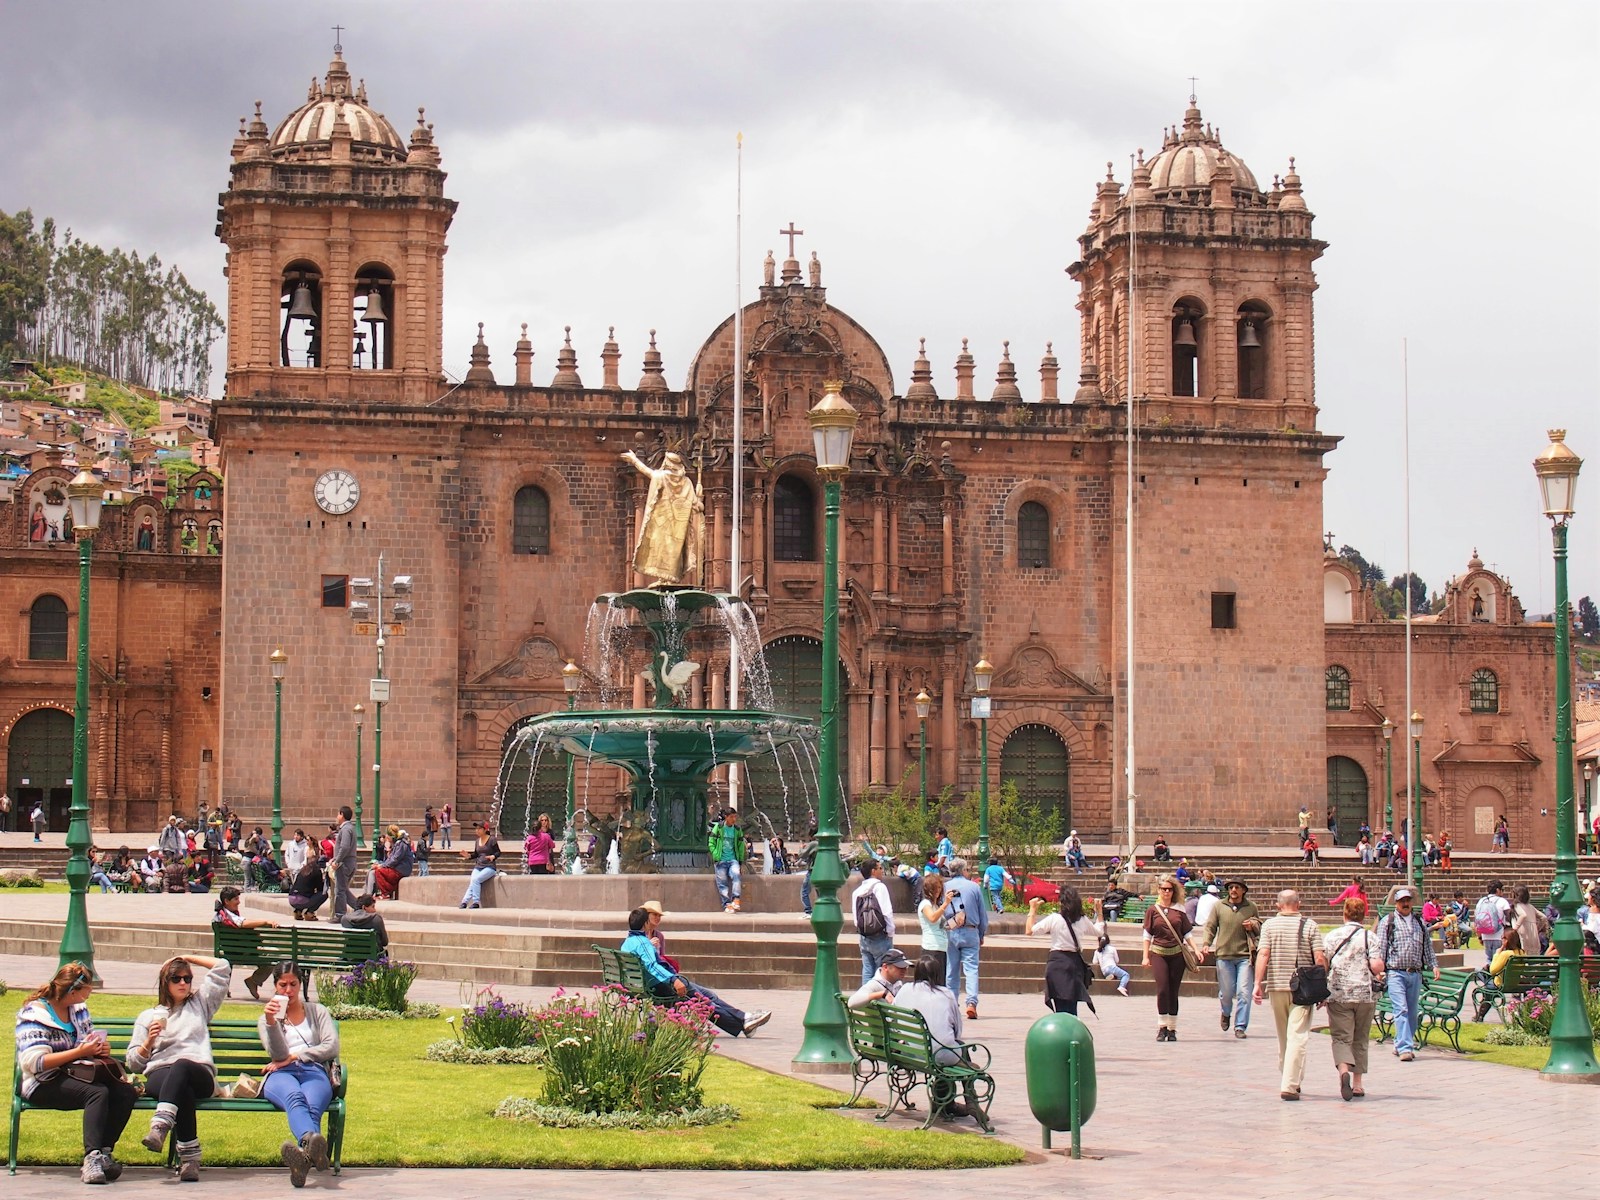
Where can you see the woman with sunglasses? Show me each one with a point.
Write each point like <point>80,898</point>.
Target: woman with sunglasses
<point>303,1042</point>
<point>1166,924</point>
<point>171,1046</point>
<point>54,1031</point>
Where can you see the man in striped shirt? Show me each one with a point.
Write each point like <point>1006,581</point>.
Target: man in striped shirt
<point>1404,951</point>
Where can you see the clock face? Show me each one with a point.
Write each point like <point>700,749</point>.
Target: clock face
<point>337,492</point>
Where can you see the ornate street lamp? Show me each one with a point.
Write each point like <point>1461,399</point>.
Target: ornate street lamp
<point>981,675</point>
<point>924,703</point>
<point>280,665</point>
<point>84,496</point>
<point>571,679</point>
<point>826,1046</point>
<point>1388,774</point>
<point>1414,809</point>
<point>360,711</point>
<point>1588,801</point>
<point>1571,1035</point>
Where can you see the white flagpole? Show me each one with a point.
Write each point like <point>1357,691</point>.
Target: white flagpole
<point>738,441</point>
<point>1411,766</point>
<point>1133,330</point>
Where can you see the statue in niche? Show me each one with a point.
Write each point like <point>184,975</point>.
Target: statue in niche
<point>145,539</point>
<point>1477,606</point>
<point>673,531</point>
<point>38,523</point>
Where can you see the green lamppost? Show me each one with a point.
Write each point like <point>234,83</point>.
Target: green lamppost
<point>1571,1036</point>
<point>84,496</point>
<point>981,675</point>
<point>1588,802</point>
<point>1413,837</point>
<point>361,713</point>
<point>1388,774</point>
<point>924,703</point>
<point>280,665</point>
<point>571,678</point>
<point>826,1046</point>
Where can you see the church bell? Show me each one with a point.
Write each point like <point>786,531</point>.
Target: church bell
<point>1185,334</point>
<point>301,308</point>
<point>1247,336</point>
<point>375,314</point>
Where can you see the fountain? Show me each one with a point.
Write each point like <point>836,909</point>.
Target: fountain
<point>671,750</point>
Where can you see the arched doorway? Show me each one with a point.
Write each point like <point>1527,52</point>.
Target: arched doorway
<point>1036,760</point>
<point>525,793</point>
<point>781,792</point>
<point>1347,797</point>
<point>39,767</point>
<point>1484,806</point>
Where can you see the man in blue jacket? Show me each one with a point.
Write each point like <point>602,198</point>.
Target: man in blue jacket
<point>664,981</point>
<point>967,922</point>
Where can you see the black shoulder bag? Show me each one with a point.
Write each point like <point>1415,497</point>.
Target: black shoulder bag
<point>1308,985</point>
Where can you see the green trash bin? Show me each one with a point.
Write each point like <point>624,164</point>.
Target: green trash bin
<point>1059,1055</point>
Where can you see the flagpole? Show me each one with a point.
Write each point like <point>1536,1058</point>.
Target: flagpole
<point>1133,328</point>
<point>734,546</point>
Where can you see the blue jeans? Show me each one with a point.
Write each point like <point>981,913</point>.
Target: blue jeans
<point>805,892</point>
<point>1405,995</point>
<point>962,956</point>
<point>723,1015</point>
<point>304,1091</point>
<point>100,877</point>
<point>872,952</point>
<point>1235,979</point>
<point>1077,861</point>
<point>480,876</point>
<point>997,899</point>
<point>727,881</point>
<point>1118,974</point>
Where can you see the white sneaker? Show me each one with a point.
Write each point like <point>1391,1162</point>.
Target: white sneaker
<point>754,1021</point>
<point>1122,991</point>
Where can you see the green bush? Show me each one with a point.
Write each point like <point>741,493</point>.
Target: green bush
<point>20,879</point>
<point>610,1052</point>
<point>377,983</point>
<point>1532,1013</point>
<point>492,1023</point>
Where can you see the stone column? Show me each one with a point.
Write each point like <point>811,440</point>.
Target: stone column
<point>876,758</point>
<point>880,555</point>
<point>947,560</point>
<point>897,735</point>
<point>947,730</point>
<point>894,544</point>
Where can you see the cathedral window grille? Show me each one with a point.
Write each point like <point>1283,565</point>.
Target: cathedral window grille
<point>47,629</point>
<point>1338,687</point>
<point>794,521</point>
<point>530,522</point>
<point>1033,536</point>
<point>1483,692</point>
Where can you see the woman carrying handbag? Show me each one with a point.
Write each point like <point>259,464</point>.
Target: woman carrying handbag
<point>1166,954</point>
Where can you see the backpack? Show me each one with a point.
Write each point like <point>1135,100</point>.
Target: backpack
<point>1486,918</point>
<point>869,917</point>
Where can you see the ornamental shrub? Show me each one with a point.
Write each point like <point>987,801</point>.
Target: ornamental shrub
<point>494,1023</point>
<point>610,1052</point>
<point>1532,1013</point>
<point>376,983</point>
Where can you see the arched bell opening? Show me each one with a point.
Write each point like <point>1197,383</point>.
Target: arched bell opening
<point>373,328</point>
<point>300,299</point>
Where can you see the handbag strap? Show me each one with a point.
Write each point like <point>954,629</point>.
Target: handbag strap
<point>1162,913</point>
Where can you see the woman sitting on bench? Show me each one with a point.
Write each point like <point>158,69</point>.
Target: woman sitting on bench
<point>303,1042</point>
<point>171,1047</point>
<point>57,1047</point>
<point>309,890</point>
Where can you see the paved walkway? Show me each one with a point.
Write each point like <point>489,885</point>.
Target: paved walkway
<point>1203,1112</point>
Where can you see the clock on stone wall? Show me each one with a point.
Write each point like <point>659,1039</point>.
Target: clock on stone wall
<point>336,492</point>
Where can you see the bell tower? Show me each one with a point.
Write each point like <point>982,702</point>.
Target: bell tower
<point>335,229</point>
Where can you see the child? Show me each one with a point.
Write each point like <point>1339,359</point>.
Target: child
<point>420,855</point>
<point>995,878</point>
<point>1105,958</point>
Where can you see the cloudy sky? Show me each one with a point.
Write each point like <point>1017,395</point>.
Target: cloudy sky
<point>941,158</point>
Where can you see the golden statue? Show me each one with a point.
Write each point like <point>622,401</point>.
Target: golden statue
<point>673,530</point>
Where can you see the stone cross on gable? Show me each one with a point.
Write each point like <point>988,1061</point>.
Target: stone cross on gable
<point>791,233</point>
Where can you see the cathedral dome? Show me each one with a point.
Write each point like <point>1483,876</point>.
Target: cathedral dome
<point>1190,157</point>
<point>306,133</point>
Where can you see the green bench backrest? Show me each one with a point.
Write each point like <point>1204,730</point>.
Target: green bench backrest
<point>622,969</point>
<point>867,1036</point>
<point>235,1045</point>
<point>330,947</point>
<point>906,1038</point>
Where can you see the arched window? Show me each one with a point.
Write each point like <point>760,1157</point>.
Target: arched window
<point>1251,333</point>
<point>1033,535</point>
<point>1338,686</point>
<point>372,342</point>
<point>1035,759</point>
<point>1483,693</point>
<point>300,298</point>
<point>47,629</point>
<point>1186,349</point>
<point>530,522</point>
<point>794,521</point>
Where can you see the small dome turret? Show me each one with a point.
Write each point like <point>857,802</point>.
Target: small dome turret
<point>1190,157</point>
<point>307,133</point>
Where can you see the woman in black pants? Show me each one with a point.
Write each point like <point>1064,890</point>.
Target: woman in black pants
<point>171,1045</point>
<point>1165,926</point>
<point>56,1043</point>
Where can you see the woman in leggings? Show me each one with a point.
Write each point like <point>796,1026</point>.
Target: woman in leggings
<point>171,1046</point>
<point>1165,927</point>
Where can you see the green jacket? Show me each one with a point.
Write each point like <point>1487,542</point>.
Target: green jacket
<point>726,843</point>
<point>1225,931</point>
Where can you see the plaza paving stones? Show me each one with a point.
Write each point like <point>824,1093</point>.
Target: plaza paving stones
<point>1200,1114</point>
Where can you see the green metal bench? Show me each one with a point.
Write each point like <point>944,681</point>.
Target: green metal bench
<point>1438,1008</point>
<point>235,1047</point>
<point>328,947</point>
<point>1134,910</point>
<point>913,1055</point>
<point>621,969</point>
<point>869,1047</point>
<point>1522,975</point>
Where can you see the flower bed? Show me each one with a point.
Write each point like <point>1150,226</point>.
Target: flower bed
<point>379,983</point>
<point>516,1108</point>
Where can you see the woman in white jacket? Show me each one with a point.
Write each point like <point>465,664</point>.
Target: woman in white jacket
<point>171,1047</point>
<point>302,1040</point>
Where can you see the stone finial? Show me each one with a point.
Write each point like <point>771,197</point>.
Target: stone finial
<point>567,365</point>
<point>791,270</point>
<point>1088,385</point>
<point>610,356</point>
<point>1049,374</point>
<point>655,378</point>
<point>1140,188</point>
<point>964,370</point>
<point>479,371</point>
<point>922,375</point>
<point>258,127</point>
<point>1474,563</point>
<point>524,358</point>
<point>769,270</point>
<point>1005,377</point>
<point>814,269</point>
<point>1292,200</point>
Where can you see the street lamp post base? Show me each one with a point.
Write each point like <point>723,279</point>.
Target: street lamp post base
<point>821,1068</point>
<point>1552,1077</point>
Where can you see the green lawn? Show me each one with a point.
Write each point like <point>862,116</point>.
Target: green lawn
<point>1473,1046</point>
<point>407,1111</point>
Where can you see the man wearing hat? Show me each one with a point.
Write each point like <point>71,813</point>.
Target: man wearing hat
<point>1231,930</point>
<point>1403,951</point>
<point>171,840</point>
<point>885,982</point>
